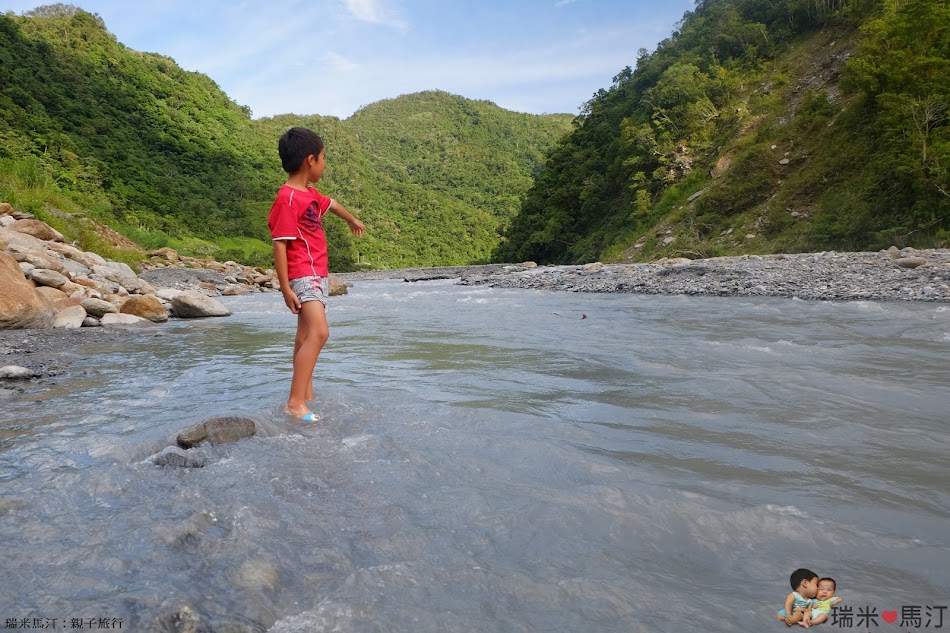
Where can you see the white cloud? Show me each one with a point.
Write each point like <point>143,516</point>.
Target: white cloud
<point>338,55</point>
<point>338,62</point>
<point>371,11</point>
<point>541,79</point>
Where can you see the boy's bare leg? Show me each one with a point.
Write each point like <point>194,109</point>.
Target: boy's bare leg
<point>793,619</point>
<point>312,335</point>
<point>298,343</point>
<point>806,620</point>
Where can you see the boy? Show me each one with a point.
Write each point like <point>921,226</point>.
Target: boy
<point>300,255</point>
<point>824,600</point>
<point>804,587</point>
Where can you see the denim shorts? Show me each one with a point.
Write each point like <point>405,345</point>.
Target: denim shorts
<point>311,289</point>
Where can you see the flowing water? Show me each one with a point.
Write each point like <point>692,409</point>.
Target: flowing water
<point>489,460</point>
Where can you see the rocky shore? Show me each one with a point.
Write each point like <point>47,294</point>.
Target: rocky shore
<point>55,297</point>
<point>891,275</point>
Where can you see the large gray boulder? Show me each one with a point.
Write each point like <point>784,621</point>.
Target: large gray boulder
<point>98,307</point>
<point>191,304</point>
<point>46,277</point>
<point>217,431</point>
<point>119,273</point>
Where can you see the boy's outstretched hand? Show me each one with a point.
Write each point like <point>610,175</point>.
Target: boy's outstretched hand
<point>356,227</point>
<point>337,209</point>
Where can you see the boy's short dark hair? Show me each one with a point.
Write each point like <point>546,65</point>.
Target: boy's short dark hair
<point>801,575</point>
<point>295,145</point>
<point>831,580</point>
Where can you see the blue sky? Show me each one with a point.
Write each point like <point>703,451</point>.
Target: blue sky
<point>332,57</point>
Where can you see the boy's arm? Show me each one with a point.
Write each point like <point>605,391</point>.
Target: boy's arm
<point>283,277</point>
<point>836,600</point>
<point>337,209</point>
<point>789,601</point>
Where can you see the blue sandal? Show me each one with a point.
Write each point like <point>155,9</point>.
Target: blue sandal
<point>310,417</point>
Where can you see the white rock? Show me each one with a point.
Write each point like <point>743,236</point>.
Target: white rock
<point>911,262</point>
<point>191,304</point>
<point>70,319</point>
<point>113,319</point>
<point>15,371</point>
<point>167,294</point>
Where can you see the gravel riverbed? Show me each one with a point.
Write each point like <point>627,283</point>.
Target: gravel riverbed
<point>918,276</point>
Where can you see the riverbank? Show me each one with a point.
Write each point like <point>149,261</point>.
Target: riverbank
<point>893,275</point>
<point>882,276</point>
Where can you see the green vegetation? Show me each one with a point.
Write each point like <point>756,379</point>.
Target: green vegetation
<point>93,133</point>
<point>758,126</point>
<point>806,125</point>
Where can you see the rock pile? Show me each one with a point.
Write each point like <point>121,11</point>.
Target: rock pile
<point>46,283</point>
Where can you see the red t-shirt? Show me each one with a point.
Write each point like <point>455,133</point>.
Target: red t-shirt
<point>296,216</point>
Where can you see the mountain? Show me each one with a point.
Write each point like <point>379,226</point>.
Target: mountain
<point>93,133</point>
<point>758,126</point>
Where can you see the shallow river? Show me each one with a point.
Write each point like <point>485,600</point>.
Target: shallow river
<point>490,460</point>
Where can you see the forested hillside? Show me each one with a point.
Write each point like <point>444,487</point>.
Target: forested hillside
<point>758,126</point>
<point>93,132</point>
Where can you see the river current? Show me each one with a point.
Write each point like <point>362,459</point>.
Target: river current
<point>490,460</point>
